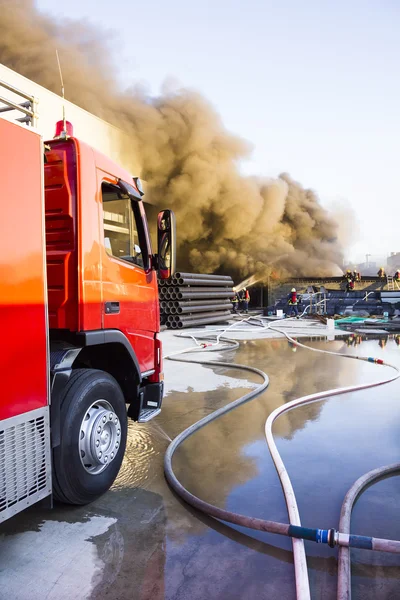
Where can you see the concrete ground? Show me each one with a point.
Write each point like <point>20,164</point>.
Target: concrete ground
<point>140,542</point>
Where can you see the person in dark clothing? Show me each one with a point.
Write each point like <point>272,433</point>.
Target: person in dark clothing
<point>246,300</point>
<point>235,303</point>
<point>240,296</point>
<point>293,302</point>
<point>348,275</point>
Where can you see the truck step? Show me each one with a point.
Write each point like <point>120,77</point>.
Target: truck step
<point>147,414</point>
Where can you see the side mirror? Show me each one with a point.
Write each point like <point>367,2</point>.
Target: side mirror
<point>166,243</point>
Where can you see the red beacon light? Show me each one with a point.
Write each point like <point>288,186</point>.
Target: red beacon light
<point>64,132</point>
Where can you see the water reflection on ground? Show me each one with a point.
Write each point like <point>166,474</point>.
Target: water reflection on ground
<point>326,446</point>
<point>155,547</point>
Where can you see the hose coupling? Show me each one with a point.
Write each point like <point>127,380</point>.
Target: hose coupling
<point>332,537</point>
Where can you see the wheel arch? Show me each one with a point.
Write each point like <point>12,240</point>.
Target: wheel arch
<point>113,358</point>
<point>105,350</point>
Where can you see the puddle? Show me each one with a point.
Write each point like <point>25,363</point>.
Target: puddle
<point>149,545</point>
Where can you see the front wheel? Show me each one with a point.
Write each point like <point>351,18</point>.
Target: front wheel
<point>93,437</point>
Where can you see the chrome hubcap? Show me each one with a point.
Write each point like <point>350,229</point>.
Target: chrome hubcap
<point>100,437</point>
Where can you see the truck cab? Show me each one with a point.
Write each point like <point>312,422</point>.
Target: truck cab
<point>99,357</point>
<point>102,284</point>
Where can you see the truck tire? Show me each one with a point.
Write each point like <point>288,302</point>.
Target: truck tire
<point>93,437</point>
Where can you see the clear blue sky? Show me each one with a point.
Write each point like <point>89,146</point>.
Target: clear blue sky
<point>314,85</point>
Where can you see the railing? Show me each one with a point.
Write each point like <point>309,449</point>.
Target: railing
<point>368,294</point>
<point>27,107</point>
<point>322,280</point>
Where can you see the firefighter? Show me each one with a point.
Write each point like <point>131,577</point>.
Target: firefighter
<point>396,276</point>
<point>358,340</point>
<point>381,273</point>
<point>350,285</point>
<point>246,300</point>
<point>241,296</point>
<point>293,302</point>
<point>235,303</point>
<point>356,276</point>
<point>347,276</point>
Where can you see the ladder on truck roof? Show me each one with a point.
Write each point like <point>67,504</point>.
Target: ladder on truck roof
<point>27,107</point>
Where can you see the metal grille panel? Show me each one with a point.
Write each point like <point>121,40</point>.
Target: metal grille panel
<point>25,468</point>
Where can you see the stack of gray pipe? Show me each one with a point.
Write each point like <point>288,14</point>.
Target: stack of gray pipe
<point>193,299</point>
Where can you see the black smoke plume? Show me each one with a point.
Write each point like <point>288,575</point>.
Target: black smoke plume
<point>227,222</point>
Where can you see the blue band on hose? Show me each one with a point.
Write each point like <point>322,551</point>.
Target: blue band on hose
<point>323,536</point>
<point>314,535</point>
<point>360,541</point>
<point>370,359</point>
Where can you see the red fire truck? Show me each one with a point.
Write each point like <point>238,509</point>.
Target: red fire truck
<point>79,316</point>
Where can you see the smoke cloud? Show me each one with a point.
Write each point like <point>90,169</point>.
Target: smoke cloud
<point>226,222</point>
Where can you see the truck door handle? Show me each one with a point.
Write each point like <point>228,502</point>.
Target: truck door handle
<point>112,308</point>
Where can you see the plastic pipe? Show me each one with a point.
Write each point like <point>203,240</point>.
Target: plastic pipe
<point>203,307</point>
<point>190,295</point>
<point>202,276</point>
<point>206,282</point>
<point>205,321</point>
<point>184,303</point>
<point>201,289</point>
<point>205,314</point>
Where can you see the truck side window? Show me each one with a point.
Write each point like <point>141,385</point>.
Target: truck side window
<point>121,236</point>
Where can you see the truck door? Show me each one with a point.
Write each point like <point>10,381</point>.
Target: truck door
<point>129,291</point>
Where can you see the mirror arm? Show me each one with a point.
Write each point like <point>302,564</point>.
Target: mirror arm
<point>155,261</point>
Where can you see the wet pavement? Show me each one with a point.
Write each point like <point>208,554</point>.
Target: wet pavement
<point>140,542</point>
